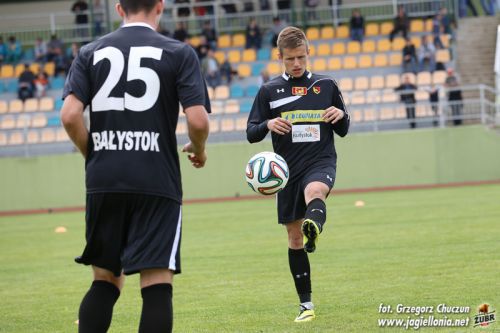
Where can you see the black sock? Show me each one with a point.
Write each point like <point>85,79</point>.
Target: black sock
<point>157,313</point>
<point>96,309</point>
<point>301,273</point>
<point>316,211</point>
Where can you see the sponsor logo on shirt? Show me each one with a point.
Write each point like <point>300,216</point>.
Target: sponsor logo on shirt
<point>305,133</point>
<point>316,90</point>
<point>299,91</point>
<point>303,116</point>
<point>126,140</point>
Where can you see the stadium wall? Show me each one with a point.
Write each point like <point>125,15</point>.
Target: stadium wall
<point>371,160</point>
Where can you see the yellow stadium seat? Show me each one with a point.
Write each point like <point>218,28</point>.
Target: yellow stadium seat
<point>421,95</point>
<point>46,104</point>
<point>334,64</point>
<point>349,62</point>
<point>49,68</point>
<point>357,116</point>
<point>319,65</point>
<point>443,56</point>
<point>227,125</point>
<point>217,107</point>
<point>181,128</point>
<point>422,111</point>
<point>373,97</point>
<point>224,41</point>
<point>386,113</point>
<point>239,40</point>
<point>369,114</point>
<point>392,81</point>
<point>8,122</point>
<point>210,91</point>
<point>244,70</point>
<point>371,29</point>
<point>383,45</point>
<point>380,60</point>
<point>274,68</point>
<point>438,77</point>
<point>377,82</point>
<point>424,78</point>
<point>19,69</point>
<point>220,56</point>
<point>3,139</point>
<point>398,44</point>
<point>345,84</point>
<point>361,83</point>
<point>232,106</point>
<point>214,125</point>
<point>416,41</point>
<point>35,67</point>
<point>234,56</point>
<point>16,106</point>
<point>428,25</point>
<point>342,32</point>
<point>395,59</point>
<point>368,46</point>
<point>417,25</point>
<point>48,135</point>
<point>7,71</point>
<point>411,76</point>
<point>324,49</point>
<point>327,32</point>
<point>241,124</point>
<point>31,105</point>
<point>365,61</point>
<point>357,98</point>
<point>389,96</point>
<point>39,120</point>
<point>400,112</point>
<point>3,107</point>
<point>195,41</point>
<point>275,53</point>
<point>33,137</point>
<point>23,121</point>
<point>386,28</point>
<point>16,138</point>
<point>61,135</point>
<point>312,50</point>
<point>312,33</point>
<point>221,92</point>
<point>338,48</point>
<point>353,47</point>
<point>249,55</point>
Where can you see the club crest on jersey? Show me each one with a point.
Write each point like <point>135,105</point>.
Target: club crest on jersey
<point>299,91</point>
<point>316,90</point>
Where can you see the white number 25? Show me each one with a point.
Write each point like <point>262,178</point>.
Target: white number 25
<point>103,102</point>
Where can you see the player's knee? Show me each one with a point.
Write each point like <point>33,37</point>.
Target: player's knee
<point>105,275</point>
<point>295,240</point>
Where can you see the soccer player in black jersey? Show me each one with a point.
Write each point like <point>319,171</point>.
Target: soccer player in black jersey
<point>302,110</point>
<point>133,80</point>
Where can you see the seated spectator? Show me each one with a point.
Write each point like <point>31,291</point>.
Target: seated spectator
<point>437,29</point>
<point>278,25</point>
<point>434,100</point>
<point>407,95</point>
<point>210,70</point>
<point>209,32</point>
<point>409,57</point>
<point>311,11</point>
<point>427,54</point>
<point>253,36</point>
<point>202,49</point>
<point>41,83</point>
<point>446,21</point>
<point>226,71</point>
<point>14,50</point>
<point>357,26</point>
<point>229,8</point>
<point>40,50</point>
<point>401,24</point>
<point>80,8</point>
<point>54,48</point>
<point>454,96</point>
<point>264,77</point>
<point>26,84</point>
<point>3,51</point>
<point>73,52</point>
<point>183,11</point>
<point>181,33</point>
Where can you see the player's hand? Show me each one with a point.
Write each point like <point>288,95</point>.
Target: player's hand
<point>279,126</point>
<point>197,158</point>
<point>333,115</point>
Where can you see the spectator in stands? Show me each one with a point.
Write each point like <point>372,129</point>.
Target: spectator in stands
<point>229,8</point>
<point>73,52</point>
<point>357,26</point>
<point>264,77</point>
<point>462,8</point>
<point>14,50</point>
<point>26,84</point>
<point>226,71</point>
<point>454,96</point>
<point>202,49</point>
<point>55,49</point>
<point>434,100</point>
<point>3,51</point>
<point>446,21</point>
<point>98,16</point>
<point>210,69</point>
<point>80,8</point>
<point>209,32</point>
<point>253,36</point>
<point>409,57</point>
<point>407,95</point>
<point>427,54</point>
<point>311,9</point>
<point>278,25</point>
<point>401,24</point>
<point>181,33</point>
<point>41,84</point>
<point>204,10</point>
<point>488,7</point>
<point>183,11</point>
<point>40,50</point>
<point>437,30</point>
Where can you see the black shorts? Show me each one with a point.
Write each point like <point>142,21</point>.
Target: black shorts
<point>291,202</point>
<point>132,232</point>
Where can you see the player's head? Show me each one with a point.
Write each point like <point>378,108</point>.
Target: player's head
<point>131,7</point>
<point>293,49</point>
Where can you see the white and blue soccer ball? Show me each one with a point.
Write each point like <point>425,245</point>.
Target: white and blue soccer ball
<point>267,173</point>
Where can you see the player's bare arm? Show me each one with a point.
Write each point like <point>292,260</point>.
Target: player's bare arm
<point>198,127</point>
<point>279,126</point>
<point>333,115</point>
<point>73,122</point>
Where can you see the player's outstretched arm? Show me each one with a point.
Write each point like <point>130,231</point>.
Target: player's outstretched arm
<point>73,122</point>
<point>338,118</point>
<point>198,127</point>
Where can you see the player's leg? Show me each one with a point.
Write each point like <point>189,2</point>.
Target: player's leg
<point>156,291</point>
<point>315,195</point>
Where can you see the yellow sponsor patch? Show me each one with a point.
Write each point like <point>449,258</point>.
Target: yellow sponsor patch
<point>303,116</point>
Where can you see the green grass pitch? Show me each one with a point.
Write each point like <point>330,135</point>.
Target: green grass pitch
<point>417,248</point>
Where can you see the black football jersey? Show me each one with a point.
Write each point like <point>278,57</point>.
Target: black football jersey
<point>302,101</point>
<point>133,80</point>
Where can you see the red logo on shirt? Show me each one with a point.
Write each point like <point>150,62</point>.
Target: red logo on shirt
<point>317,90</point>
<point>299,91</point>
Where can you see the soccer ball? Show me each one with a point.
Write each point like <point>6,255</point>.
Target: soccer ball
<point>267,173</point>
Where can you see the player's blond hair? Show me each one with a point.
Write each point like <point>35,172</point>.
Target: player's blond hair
<point>291,38</point>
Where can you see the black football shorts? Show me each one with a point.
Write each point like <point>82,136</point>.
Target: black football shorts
<point>291,202</point>
<point>132,232</point>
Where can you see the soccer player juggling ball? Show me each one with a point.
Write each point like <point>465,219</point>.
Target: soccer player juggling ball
<point>133,80</point>
<point>302,110</point>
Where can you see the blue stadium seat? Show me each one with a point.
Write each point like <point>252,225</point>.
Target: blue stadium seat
<point>2,87</point>
<point>57,82</point>
<point>58,104</point>
<point>252,91</point>
<point>246,106</point>
<point>264,54</point>
<point>54,121</point>
<point>236,91</point>
<point>29,55</point>
<point>257,68</point>
<point>11,86</point>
